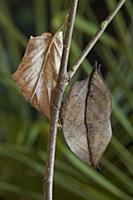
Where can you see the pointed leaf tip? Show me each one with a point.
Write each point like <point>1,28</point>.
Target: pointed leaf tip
<point>38,71</point>
<point>86,118</point>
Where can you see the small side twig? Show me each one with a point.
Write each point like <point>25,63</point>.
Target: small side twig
<point>49,170</point>
<point>96,37</point>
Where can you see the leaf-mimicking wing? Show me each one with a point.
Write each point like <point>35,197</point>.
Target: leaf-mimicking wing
<point>86,118</point>
<point>98,111</point>
<point>37,73</point>
<point>73,113</point>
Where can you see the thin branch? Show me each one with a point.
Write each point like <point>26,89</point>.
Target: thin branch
<point>49,171</point>
<point>96,37</point>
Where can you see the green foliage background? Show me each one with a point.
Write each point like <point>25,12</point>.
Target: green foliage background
<point>24,132</point>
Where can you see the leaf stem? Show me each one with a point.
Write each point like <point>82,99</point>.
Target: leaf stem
<point>96,37</point>
<point>49,171</point>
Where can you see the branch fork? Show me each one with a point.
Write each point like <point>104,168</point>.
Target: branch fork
<point>49,170</point>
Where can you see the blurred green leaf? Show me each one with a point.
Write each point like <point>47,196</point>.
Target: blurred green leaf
<point>24,132</point>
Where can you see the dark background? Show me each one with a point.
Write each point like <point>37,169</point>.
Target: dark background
<point>24,132</point>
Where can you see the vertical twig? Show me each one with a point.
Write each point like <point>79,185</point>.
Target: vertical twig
<point>49,171</point>
<point>96,37</point>
<point>48,179</point>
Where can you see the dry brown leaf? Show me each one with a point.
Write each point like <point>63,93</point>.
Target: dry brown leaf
<point>37,74</point>
<point>72,117</point>
<point>86,118</point>
<point>98,111</point>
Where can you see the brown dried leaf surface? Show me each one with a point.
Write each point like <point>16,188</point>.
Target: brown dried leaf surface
<point>98,111</point>
<point>73,113</point>
<point>37,74</point>
<point>86,118</point>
